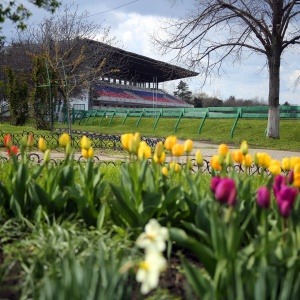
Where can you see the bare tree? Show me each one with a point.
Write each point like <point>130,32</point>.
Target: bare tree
<point>68,41</point>
<point>220,30</point>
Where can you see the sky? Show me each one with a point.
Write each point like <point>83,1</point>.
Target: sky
<point>133,21</point>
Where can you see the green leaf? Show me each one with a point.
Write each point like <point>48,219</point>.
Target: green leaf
<point>204,253</point>
<point>198,279</point>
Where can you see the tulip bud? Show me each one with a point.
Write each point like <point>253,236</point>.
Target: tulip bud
<point>85,143</point>
<point>290,177</point>
<point>159,149</point>
<point>30,141</point>
<point>42,145</point>
<point>244,147</point>
<point>174,166</point>
<point>165,171</point>
<point>64,140</point>
<point>161,159</point>
<point>8,141</point>
<point>199,158</point>
<point>263,197</point>
<point>12,150</point>
<point>84,153</point>
<point>144,151</point>
<point>223,150</point>
<point>91,152</point>
<point>188,146</point>
<point>24,141</point>
<point>228,159</point>
<point>68,149</point>
<point>47,156</point>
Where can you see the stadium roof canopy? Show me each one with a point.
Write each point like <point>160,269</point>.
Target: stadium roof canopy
<point>141,68</point>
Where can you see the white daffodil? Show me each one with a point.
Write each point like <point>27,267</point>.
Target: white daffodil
<point>149,271</point>
<point>154,237</point>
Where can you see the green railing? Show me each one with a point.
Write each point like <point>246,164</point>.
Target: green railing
<point>254,112</point>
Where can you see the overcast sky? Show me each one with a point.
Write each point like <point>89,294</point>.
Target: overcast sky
<point>132,22</point>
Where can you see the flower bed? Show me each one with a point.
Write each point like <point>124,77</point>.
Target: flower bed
<point>237,236</point>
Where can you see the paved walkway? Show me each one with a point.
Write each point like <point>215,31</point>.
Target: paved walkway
<point>207,149</point>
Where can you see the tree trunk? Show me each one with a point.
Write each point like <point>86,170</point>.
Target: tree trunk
<point>274,88</point>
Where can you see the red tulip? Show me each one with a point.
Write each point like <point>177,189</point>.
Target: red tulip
<point>12,149</point>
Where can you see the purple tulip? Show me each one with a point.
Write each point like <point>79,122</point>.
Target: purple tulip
<point>285,200</point>
<point>214,182</point>
<point>278,184</point>
<point>290,178</point>
<point>263,197</point>
<point>226,191</point>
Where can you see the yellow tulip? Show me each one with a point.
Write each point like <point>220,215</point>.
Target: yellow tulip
<point>134,143</point>
<point>85,143</point>
<point>244,147</point>
<point>165,171</point>
<point>214,162</point>
<point>297,168</point>
<point>64,140</point>
<point>42,145</point>
<point>247,161</point>
<point>274,167</point>
<point>262,159</point>
<point>161,159</point>
<point>178,150</point>
<point>84,153</point>
<point>170,142</point>
<point>296,182</point>
<point>285,164</point>
<point>237,156</point>
<point>223,150</point>
<point>293,161</point>
<point>199,158</point>
<point>91,152</point>
<point>188,146</point>
<point>174,167</point>
<point>144,152</point>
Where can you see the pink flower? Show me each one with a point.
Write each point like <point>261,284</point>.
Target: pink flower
<point>263,197</point>
<point>226,191</point>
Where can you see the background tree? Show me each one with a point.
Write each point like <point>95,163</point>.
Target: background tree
<point>18,13</point>
<point>218,30</point>
<point>183,92</point>
<point>70,44</point>
<point>17,96</point>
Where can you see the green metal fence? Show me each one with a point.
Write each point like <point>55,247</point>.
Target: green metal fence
<point>255,112</point>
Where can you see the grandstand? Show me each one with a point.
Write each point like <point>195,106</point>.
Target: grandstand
<point>137,82</point>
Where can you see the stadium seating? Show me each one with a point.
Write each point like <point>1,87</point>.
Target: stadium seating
<point>135,96</point>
